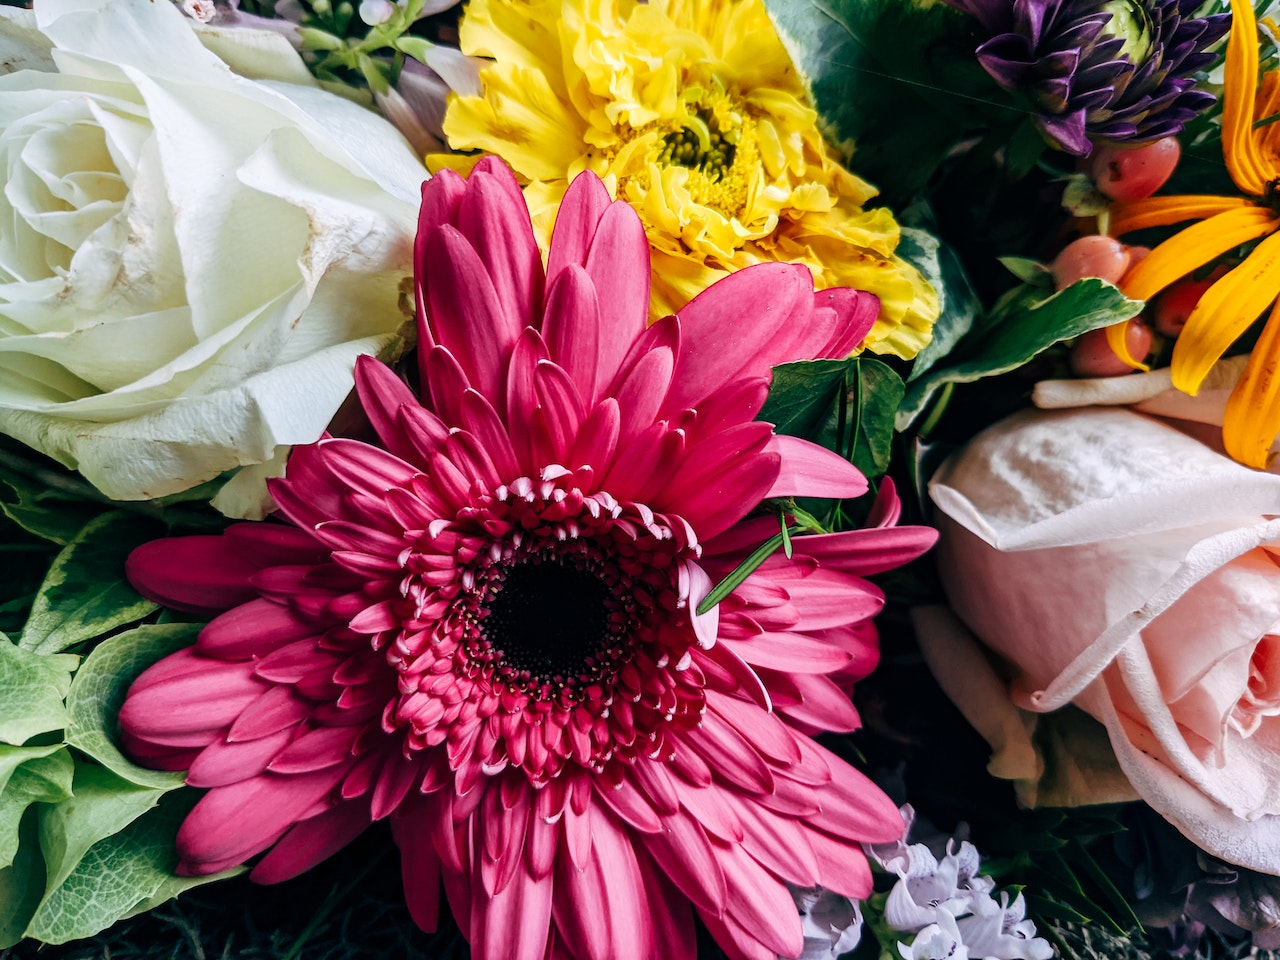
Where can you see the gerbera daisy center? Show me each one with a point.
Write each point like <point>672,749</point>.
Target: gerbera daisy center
<point>548,618</point>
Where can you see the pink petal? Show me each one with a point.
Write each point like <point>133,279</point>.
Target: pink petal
<point>865,552</point>
<point>252,629</point>
<point>233,823</point>
<point>419,864</point>
<point>689,861</point>
<point>494,218</point>
<point>196,574</point>
<point>513,924</point>
<point>224,762</point>
<point>584,203</point>
<point>730,329</point>
<point>641,393</point>
<point>619,263</point>
<point>810,470</point>
<point>311,841</point>
<point>571,327</point>
<point>382,394</point>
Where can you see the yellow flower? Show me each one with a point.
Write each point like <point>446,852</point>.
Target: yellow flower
<point>1235,300</point>
<point>692,112</point>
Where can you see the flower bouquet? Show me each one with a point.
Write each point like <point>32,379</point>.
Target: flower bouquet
<point>470,478</point>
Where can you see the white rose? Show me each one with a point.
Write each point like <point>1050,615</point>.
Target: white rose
<point>1121,564</point>
<point>190,260</point>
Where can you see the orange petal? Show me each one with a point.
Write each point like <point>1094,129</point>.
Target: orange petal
<point>1194,247</point>
<point>1240,143</point>
<point>1253,412</point>
<point>1164,211</point>
<point>1224,312</point>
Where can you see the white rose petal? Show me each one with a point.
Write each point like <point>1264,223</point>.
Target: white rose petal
<point>191,260</point>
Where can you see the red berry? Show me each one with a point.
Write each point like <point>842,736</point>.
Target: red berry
<point>1126,174</point>
<point>1171,309</point>
<point>1094,256</point>
<point>1091,355</point>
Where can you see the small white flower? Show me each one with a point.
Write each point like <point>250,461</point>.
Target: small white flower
<point>999,931</point>
<point>374,12</point>
<point>201,10</point>
<point>938,941</point>
<point>831,923</point>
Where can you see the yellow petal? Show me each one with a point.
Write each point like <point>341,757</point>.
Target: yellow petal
<point>1224,312</point>
<point>1194,247</point>
<point>1118,341</point>
<point>1166,211</point>
<point>1253,412</point>
<point>1240,143</point>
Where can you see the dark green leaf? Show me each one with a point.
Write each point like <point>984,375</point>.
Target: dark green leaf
<point>844,405</point>
<point>958,302</point>
<point>98,689</point>
<point>85,594</point>
<point>21,884</point>
<point>1018,328</point>
<point>874,396</point>
<point>32,688</point>
<point>743,570</point>
<point>1028,270</point>
<point>868,63</point>
<point>42,508</point>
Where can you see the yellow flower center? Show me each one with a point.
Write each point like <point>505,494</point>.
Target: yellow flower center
<point>715,142</point>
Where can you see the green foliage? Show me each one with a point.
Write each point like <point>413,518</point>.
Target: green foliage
<point>1025,322</point>
<point>85,594</point>
<point>43,779</point>
<point>117,875</point>
<point>867,64</point>
<point>32,689</point>
<point>844,405</point>
<point>98,689</point>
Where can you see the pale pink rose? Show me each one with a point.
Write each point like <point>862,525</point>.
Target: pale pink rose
<point>1116,562</point>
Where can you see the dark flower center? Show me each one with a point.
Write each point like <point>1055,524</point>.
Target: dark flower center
<point>700,145</point>
<point>549,618</point>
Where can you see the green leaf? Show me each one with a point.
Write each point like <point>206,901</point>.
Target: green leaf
<point>1018,328</point>
<point>42,780</point>
<point>873,397</point>
<point>1028,270</point>
<point>85,593</point>
<point>844,405</point>
<point>117,876</point>
<point>45,501</point>
<point>98,689</point>
<point>866,64</point>
<point>958,303</point>
<point>32,690</point>
<point>21,884</point>
<point>416,47</point>
<point>803,395</point>
<point>101,804</point>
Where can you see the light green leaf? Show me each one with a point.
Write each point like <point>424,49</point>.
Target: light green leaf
<point>85,593</point>
<point>21,884</point>
<point>117,876</point>
<point>32,688</point>
<point>416,47</point>
<point>1028,270</point>
<point>1022,325</point>
<point>866,64</point>
<point>11,758</point>
<point>42,780</point>
<point>98,689</point>
<point>100,805</point>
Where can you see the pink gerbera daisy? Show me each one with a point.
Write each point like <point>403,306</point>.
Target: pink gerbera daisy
<point>487,628</point>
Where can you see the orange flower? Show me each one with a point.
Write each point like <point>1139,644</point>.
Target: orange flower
<point>1237,299</point>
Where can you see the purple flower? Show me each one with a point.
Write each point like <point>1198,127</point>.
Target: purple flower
<point>1118,71</point>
